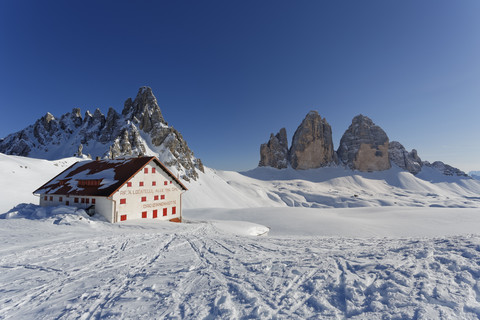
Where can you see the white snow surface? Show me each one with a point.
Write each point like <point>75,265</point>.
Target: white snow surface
<point>265,244</point>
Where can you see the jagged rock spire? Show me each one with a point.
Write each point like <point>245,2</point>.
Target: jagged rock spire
<point>409,161</point>
<point>274,153</point>
<point>364,146</point>
<point>144,109</point>
<point>139,130</point>
<point>312,144</point>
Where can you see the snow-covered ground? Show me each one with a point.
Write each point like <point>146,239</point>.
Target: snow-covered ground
<point>262,244</point>
<point>336,187</point>
<point>333,187</point>
<point>70,267</point>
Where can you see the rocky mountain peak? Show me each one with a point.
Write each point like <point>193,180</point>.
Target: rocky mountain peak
<point>364,146</point>
<point>274,153</point>
<point>445,169</point>
<point>48,117</point>
<point>144,109</point>
<point>139,130</point>
<point>312,144</point>
<point>409,161</point>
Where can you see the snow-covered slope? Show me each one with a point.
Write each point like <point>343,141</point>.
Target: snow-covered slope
<point>317,261</point>
<point>331,187</point>
<point>339,187</point>
<point>475,174</point>
<point>20,176</point>
<point>67,266</point>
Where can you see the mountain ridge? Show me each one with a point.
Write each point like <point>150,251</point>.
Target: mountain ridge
<point>139,130</point>
<point>364,146</point>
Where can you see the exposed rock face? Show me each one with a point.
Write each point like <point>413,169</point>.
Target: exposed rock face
<point>312,144</point>
<point>409,161</point>
<point>145,112</point>
<point>139,130</point>
<point>364,146</point>
<point>274,153</point>
<point>445,169</point>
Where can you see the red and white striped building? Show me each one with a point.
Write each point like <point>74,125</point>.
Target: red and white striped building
<point>119,190</point>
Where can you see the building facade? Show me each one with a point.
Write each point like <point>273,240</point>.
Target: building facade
<point>119,190</point>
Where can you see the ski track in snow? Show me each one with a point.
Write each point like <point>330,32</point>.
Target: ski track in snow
<point>197,271</point>
<point>395,261</point>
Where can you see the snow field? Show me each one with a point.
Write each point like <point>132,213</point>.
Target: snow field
<point>23,175</point>
<point>331,187</point>
<point>336,187</point>
<point>198,271</point>
<point>397,256</point>
<point>392,222</point>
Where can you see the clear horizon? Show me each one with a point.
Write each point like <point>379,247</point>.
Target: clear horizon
<point>227,74</point>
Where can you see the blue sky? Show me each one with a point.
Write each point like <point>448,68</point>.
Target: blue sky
<point>228,73</point>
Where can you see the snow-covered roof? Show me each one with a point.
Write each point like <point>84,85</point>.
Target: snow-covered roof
<point>99,177</point>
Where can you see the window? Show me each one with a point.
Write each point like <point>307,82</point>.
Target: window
<point>75,200</point>
<point>154,183</point>
<point>123,201</point>
<point>164,212</point>
<point>154,170</point>
<point>67,203</point>
<point>154,214</point>
<point>123,217</point>
<point>140,183</point>
<point>170,181</point>
<point>144,199</point>
<point>144,214</point>
<point>60,199</point>
<point>165,183</point>
<point>174,210</point>
<point>83,200</point>
<point>129,184</point>
<point>155,197</point>
<point>51,198</point>
<point>145,170</point>
<point>45,198</point>
<point>87,200</point>
<point>162,197</point>
<point>89,183</point>
<point>93,200</point>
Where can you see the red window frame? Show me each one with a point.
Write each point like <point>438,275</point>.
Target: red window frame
<point>87,201</point>
<point>162,197</point>
<point>51,198</point>
<point>67,203</point>
<point>145,170</point>
<point>164,212</point>
<point>75,200</point>
<point>60,199</point>
<point>174,210</point>
<point>165,183</point>
<point>123,217</point>
<point>154,183</point>
<point>144,199</point>
<point>170,181</point>
<point>129,184</point>
<point>155,213</point>
<point>123,201</point>
<point>155,197</point>
<point>45,198</point>
<point>93,200</point>
<point>140,184</point>
<point>144,214</point>
<point>154,170</point>
<point>82,200</point>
